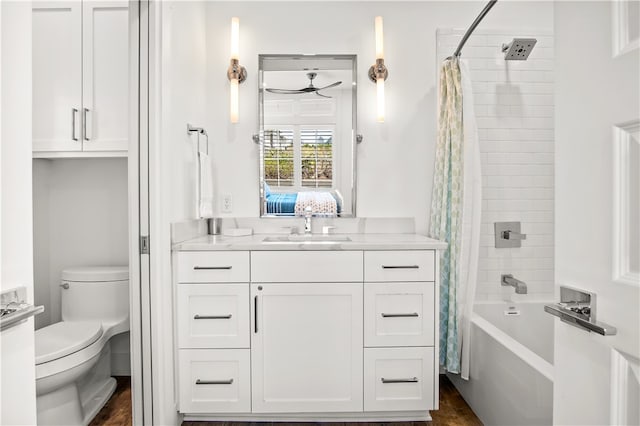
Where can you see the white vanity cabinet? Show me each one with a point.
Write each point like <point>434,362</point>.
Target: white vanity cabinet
<point>80,78</point>
<point>319,334</point>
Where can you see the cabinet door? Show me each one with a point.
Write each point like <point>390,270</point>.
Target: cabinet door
<point>105,75</point>
<point>306,347</point>
<point>57,76</point>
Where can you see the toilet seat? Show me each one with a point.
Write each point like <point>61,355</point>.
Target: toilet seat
<point>65,338</point>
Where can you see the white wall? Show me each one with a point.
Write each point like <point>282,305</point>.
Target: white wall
<point>404,144</point>
<point>180,69</point>
<point>18,403</point>
<point>514,109</point>
<point>80,219</point>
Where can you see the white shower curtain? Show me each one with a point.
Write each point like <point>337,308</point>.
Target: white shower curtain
<point>455,212</point>
<point>471,219</point>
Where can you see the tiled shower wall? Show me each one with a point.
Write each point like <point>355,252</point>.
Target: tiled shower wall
<point>514,109</point>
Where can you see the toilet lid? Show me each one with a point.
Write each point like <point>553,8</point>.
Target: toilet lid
<point>64,338</point>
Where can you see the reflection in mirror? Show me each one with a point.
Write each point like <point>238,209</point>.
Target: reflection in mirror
<point>307,134</point>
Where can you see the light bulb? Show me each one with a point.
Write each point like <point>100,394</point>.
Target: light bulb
<point>380,95</point>
<point>379,38</point>
<point>235,38</point>
<point>233,104</point>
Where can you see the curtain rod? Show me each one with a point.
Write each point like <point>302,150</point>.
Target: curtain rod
<point>473,26</point>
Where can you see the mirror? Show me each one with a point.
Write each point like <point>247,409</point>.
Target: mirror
<point>307,135</point>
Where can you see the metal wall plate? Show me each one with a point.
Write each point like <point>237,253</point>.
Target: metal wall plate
<point>500,228</point>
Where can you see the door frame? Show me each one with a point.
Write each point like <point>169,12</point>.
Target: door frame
<point>138,166</point>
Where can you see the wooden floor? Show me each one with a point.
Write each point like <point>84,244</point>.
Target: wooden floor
<point>453,411</point>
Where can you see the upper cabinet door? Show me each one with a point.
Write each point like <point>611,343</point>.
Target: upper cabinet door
<point>57,73</point>
<point>106,71</point>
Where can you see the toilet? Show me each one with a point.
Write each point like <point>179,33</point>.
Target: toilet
<point>73,365</point>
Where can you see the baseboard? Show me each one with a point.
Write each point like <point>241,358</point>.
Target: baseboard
<point>385,416</point>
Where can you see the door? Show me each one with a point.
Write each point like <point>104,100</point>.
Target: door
<point>18,393</point>
<point>597,204</point>
<point>57,76</point>
<point>306,347</point>
<point>105,62</point>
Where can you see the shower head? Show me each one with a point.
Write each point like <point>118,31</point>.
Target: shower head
<point>519,49</point>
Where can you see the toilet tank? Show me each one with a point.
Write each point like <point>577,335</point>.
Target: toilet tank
<point>96,293</point>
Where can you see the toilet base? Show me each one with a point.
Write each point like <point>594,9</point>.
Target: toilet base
<point>99,399</point>
<point>77,403</point>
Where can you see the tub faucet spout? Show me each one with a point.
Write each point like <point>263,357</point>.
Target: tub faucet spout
<point>509,281</point>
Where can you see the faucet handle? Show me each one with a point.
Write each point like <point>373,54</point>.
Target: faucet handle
<point>327,229</point>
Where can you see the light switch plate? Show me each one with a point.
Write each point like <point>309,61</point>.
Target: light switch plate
<point>500,227</point>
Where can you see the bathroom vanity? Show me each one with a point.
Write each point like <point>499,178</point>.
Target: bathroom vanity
<point>273,327</point>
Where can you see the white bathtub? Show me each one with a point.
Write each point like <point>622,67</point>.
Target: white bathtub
<point>511,371</point>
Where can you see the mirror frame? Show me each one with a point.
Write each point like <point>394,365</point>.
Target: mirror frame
<point>354,124</point>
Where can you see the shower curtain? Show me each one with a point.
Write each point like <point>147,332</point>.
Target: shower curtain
<point>455,212</point>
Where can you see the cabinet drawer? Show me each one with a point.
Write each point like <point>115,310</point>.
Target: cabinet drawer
<point>215,381</point>
<point>398,379</point>
<point>213,315</point>
<point>213,267</point>
<point>402,265</point>
<point>399,314</point>
<point>306,266</point>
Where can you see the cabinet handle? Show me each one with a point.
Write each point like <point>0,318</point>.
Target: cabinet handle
<point>214,382</point>
<point>84,124</point>
<point>228,316</point>
<point>400,267</point>
<point>255,314</point>
<point>74,111</point>
<point>411,380</point>
<point>200,268</point>
<point>413,314</point>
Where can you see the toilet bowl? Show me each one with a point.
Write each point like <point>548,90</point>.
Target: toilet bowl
<point>73,365</point>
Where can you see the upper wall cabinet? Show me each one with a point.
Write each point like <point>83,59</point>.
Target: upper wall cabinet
<point>80,78</point>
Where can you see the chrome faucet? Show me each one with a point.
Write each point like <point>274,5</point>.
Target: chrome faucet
<point>508,280</point>
<point>308,213</point>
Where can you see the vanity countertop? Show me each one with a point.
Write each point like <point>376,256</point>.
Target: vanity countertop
<point>326,242</point>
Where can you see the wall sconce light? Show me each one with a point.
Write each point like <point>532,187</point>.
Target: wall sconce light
<point>236,72</point>
<point>378,72</point>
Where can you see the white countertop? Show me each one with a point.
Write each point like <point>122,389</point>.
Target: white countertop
<point>358,242</point>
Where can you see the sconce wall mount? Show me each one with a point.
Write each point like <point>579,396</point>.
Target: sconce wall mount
<point>236,71</point>
<point>378,70</point>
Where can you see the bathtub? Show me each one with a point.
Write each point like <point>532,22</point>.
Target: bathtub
<point>511,370</point>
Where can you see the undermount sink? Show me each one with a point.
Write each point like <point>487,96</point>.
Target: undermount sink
<point>307,239</point>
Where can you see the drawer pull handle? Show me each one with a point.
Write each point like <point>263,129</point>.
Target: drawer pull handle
<point>228,316</point>
<point>214,382</point>
<point>214,268</point>
<point>255,314</point>
<point>411,380</point>
<point>413,314</point>
<point>400,267</point>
